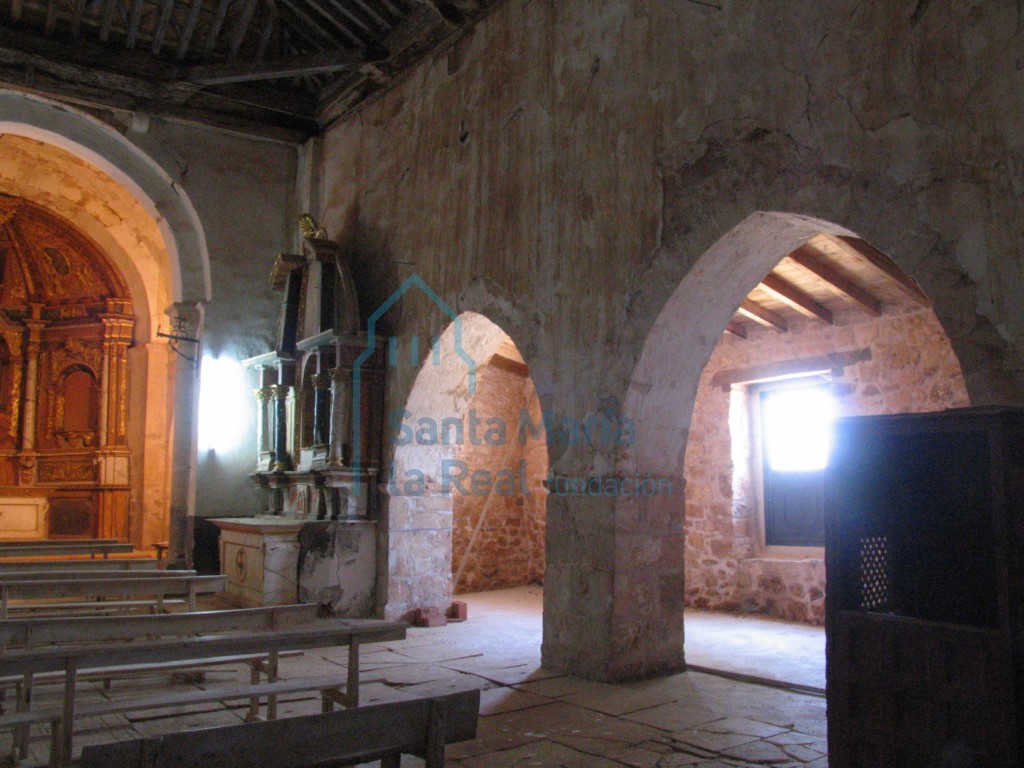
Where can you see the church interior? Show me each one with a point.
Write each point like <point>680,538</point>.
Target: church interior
<point>511,382</point>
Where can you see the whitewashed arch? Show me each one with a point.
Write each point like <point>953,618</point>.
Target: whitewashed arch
<point>100,145</point>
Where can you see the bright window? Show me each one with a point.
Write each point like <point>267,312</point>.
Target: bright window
<point>223,403</point>
<point>797,427</point>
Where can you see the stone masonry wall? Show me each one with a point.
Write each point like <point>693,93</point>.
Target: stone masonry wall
<point>508,550</point>
<point>910,367</point>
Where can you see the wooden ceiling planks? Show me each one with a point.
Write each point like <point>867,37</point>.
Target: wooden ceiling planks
<point>365,44</point>
<point>825,275</point>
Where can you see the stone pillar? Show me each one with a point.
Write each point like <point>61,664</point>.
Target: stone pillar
<point>341,415</point>
<point>186,319</point>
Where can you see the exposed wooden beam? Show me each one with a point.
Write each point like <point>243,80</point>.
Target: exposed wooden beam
<point>185,38</point>
<point>795,298</point>
<point>107,19</point>
<point>883,264</point>
<point>253,109</point>
<point>814,263</point>
<point>133,24</point>
<point>268,31</point>
<point>214,27</point>
<point>763,315</point>
<point>328,61</point>
<point>308,25</point>
<point>76,18</point>
<point>327,17</point>
<point>241,27</point>
<point>51,16</point>
<point>737,328</point>
<point>161,27</point>
<point>349,15</point>
<point>384,23</point>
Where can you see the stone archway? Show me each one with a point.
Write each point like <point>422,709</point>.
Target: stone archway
<point>659,402</point>
<point>432,463</point>
<point>150,230</point>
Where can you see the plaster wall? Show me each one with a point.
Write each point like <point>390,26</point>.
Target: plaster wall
<point>244,192</point>
<point>563,168</point>
<point>904,364</point>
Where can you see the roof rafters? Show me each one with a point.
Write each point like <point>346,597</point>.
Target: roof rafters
<point>763,315</point>
<point>803,303</point>
<point>311,64</point>
<point>868,253</point>
<point>737,329</point>
<point>811,261</point>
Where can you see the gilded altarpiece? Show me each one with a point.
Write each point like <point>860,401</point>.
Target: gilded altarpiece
<point>66,323</point>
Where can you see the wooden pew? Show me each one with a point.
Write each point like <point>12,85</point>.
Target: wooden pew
<point>14,543</point>
<point>72,659</point>
<point>157,587</point>
<point>35,632</point>
<point>379,732</point>
<point>73,575</point>
<point>63,548</point>
<point>82,566</point>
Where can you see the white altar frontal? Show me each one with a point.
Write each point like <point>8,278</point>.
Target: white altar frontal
<point>260,557</point>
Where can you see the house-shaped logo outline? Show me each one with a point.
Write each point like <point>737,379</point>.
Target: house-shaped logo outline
<point>414,280</point>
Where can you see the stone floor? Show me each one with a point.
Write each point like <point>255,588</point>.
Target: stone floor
<point>533,717</point>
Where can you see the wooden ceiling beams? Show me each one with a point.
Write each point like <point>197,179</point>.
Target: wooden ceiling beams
<point>795,298</point>
<point>818,266</point>
<point>820,275</point>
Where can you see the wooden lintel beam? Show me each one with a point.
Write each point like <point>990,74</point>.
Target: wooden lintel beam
<point>737,329</point>
<point>328,61</point>
<point>795,298</point>
<point>763,315</point>
<point>816,265</point>
<point>885,265</point>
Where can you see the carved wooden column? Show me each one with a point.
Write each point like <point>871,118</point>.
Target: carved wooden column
<point>321,408</point>
<point>113,518</point>
<point>279,393</point>
<point>263,396</point>
<point>189,319</point>
<point>27,470</point>
<point>341,416</point>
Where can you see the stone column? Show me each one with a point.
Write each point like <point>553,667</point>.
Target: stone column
<point>341,416</point>
<point>186,319</point>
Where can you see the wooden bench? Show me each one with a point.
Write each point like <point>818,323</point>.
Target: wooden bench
<point>322,634</point>
<point>378,732</point>
<point>158,587</point>
<point>82,566</point>
<point>34,632</point>
<point>12,543</point>
<point>63,548</point>
<point>99,573</point>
